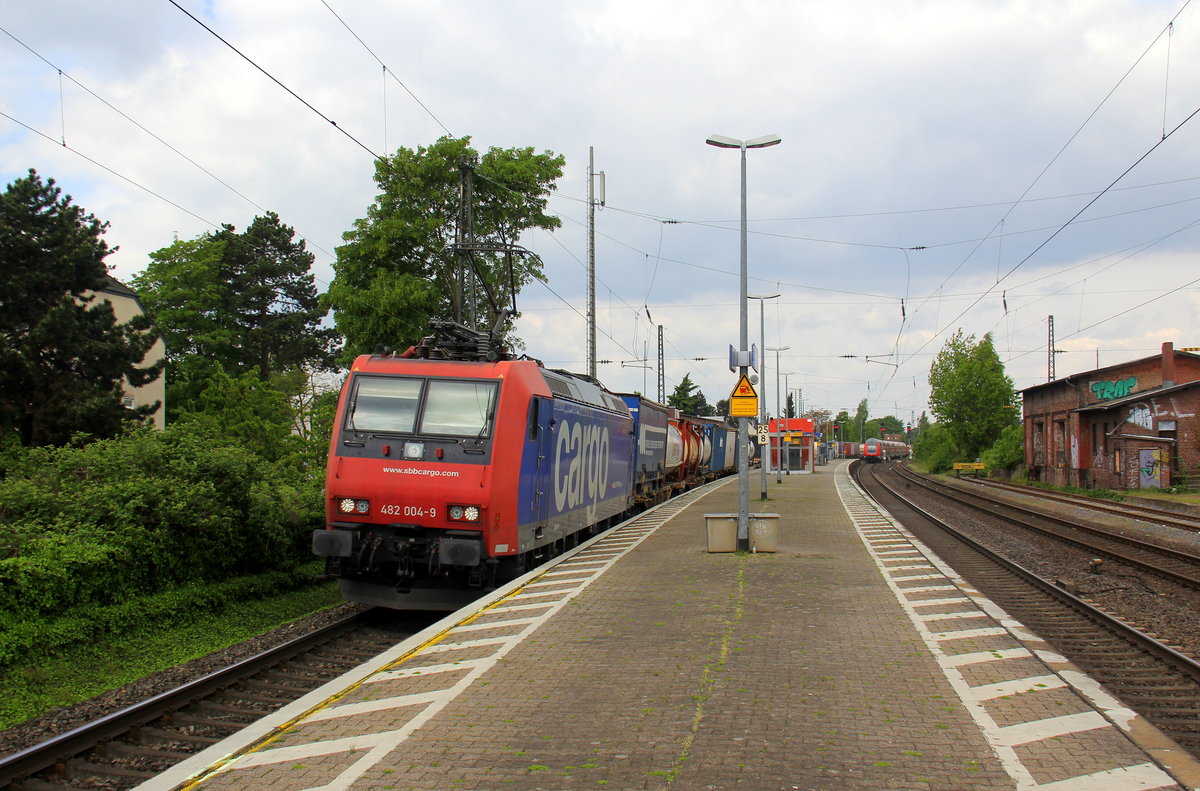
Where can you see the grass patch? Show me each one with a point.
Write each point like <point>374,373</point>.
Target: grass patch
<point>31,688</point>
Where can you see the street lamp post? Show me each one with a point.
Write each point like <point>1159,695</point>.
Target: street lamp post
<point>778,416</point>
<point>762,401</point>
<point>786,394</point>
<point>743,435</point>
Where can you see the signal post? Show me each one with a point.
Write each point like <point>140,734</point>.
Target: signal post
<point>743,405</point>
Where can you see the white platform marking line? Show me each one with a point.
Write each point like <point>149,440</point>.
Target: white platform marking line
<point>371,706</point>
<point>964,634</point>
<point>1036,731</point>
<point>949,616</point>
<point>428,670</point>
<point>1016,687</point>
<point>514,607</point>
<point>978,657</point>
<point>936,602</point>
<point>1007,756</point>
<point>1139,777</point>
<point>380,745</point>
<point>554,586</point>
<point>466,645</point>
<point>479,627</point>
<point>575,572</point>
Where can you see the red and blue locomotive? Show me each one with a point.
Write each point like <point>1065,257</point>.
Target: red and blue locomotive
<point>448,473</point>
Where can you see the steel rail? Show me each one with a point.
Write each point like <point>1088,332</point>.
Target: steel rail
<point>1189,575</point>
<point>1180,661</point>
<point>65,746</point>
<point>1161,516</point>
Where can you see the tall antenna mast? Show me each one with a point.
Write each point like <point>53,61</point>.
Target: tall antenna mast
<point>662,379</point>
<point>1050,351</point>
<point>591,256</point>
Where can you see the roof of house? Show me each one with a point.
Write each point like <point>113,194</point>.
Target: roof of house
<point>1132,398</point>
<point>1093,374</point>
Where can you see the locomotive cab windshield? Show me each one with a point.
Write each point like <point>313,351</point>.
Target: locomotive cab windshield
<point>405,405</point>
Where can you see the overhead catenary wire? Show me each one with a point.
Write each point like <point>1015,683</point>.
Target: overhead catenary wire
<point>386,71</point>
<point>274,79</point>
<point>155,136</point>
<point>1064,225</point>
<point>110,171</point>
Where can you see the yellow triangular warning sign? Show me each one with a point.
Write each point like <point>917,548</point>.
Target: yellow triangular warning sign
<point>744,389</point>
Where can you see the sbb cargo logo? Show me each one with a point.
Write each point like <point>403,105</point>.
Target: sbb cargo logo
<point>580,464</point>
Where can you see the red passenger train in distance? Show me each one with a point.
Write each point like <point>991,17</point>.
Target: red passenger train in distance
<point>875,450</point>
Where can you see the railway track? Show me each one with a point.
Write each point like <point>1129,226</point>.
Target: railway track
<point>123,749</point>
<point>1176,565</point>
<point>1153,679</point>
<point>1159,516</point>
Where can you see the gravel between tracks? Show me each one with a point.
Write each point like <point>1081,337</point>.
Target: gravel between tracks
<point>65,718</point>
<point>1162,609</point>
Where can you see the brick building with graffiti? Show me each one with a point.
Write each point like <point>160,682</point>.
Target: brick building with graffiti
<point>1128,426</point>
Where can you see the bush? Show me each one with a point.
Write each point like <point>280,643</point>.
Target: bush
<point>22,637</point>
<point>1008,451</point>
<point>147,512</point>
<point>935,449</point>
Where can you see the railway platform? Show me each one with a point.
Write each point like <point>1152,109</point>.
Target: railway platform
<point>848,659</point>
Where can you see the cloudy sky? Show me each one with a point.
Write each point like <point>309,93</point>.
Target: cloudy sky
<point>980,164</point>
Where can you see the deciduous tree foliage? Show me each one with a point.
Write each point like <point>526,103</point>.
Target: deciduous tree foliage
<point>246,301</point>
<point>63,356</point>
<point>842,420</point>
<point>396,270</point>
<point>970,395</point>
<point>858,425</point>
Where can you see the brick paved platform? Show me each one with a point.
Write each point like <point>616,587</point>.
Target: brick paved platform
<point>846,660</point>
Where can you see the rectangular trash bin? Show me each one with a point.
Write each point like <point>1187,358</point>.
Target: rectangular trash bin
<point>764,532</point>
<point>722,532</point>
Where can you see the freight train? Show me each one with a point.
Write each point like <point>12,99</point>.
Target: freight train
<point>448,474</point>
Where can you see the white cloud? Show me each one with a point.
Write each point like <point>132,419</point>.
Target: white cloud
<point>886,109</point>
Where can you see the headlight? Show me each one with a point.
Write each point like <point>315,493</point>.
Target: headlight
<point>348,505</point>
<point>463,513</point>
<point>414,450</point>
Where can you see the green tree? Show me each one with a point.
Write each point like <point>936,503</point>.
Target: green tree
<point>935,449</point>
<point>397,270</point>
<point>790,409</point>
<point>688,399</point>
<point>842,421</point>
<point>246,301</point>
<point>970,394</point>
<point>858,424</point>
<point>248,412</point>
<point>1008,451</point>
<point>63,355</point>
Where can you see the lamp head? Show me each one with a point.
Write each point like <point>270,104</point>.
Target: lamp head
<point>721,141</point>
<point>764,141</point>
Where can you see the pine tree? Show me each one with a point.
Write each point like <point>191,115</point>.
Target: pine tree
<point>63,356</point>
<point>688,399</point>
